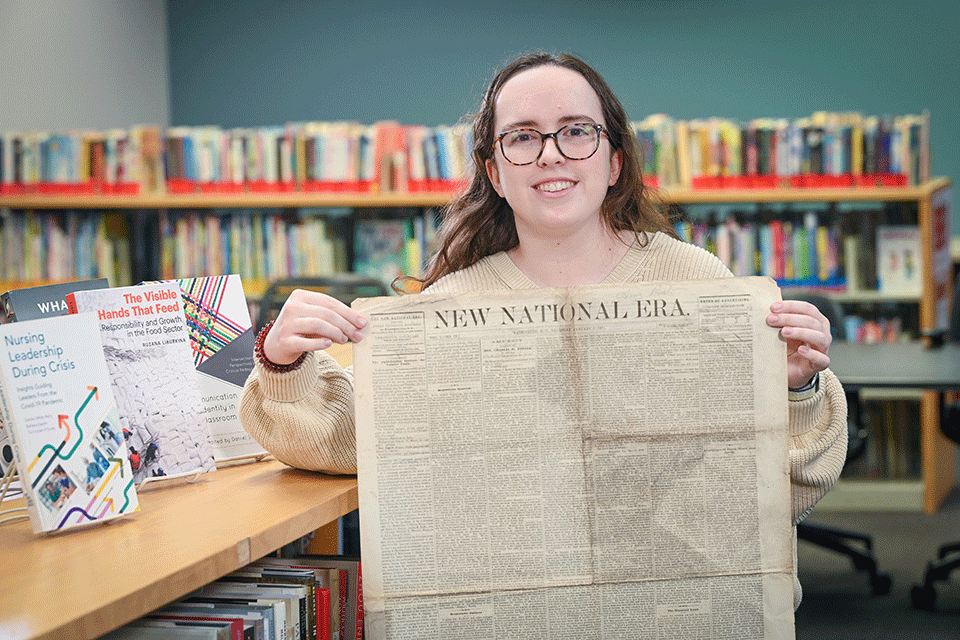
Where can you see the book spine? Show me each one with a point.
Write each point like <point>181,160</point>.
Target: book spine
<point>343,603</point>
<point>359,635</point>
<point>71,301</point>
<point>323,614</point>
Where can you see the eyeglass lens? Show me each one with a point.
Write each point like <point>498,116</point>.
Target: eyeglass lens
<point>575,142</point>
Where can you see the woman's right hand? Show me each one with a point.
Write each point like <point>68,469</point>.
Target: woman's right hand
<point>309,321</point>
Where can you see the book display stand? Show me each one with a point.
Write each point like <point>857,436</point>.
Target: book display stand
<point>8,478</point>
<point>190,476</point>
<point>252,457</point>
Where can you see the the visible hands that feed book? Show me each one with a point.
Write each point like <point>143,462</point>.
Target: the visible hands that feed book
<point>146,346</point>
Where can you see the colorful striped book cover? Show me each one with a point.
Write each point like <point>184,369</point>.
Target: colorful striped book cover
<point>222,339</point>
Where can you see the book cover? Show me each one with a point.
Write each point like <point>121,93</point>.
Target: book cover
<point>898,260</point>
<point>380,248</point>
<point>147,349</point>
<point>221,340</point>
<point>63,423</point>
<point>31,303</point>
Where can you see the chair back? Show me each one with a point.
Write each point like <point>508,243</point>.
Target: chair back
<point>345,287</point>
<point>856,433</point>
<point>829,307</point>
<point>953,333</point>
<point>950,413</point>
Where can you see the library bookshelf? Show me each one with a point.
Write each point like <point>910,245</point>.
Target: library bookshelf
<point>83,583</point>
<point>937,455</point>
<point>289,199</point>
<point>439,198</point>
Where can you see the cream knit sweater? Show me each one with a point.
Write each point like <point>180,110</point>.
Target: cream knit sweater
<point>305,417</point>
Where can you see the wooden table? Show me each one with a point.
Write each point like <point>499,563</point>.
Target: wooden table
<point>84,582</point>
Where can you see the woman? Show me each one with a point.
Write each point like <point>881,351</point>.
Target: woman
<point>557,200</point>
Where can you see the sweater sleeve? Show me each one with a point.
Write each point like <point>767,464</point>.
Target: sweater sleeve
<point>818,444</point>
<point>304,417</point>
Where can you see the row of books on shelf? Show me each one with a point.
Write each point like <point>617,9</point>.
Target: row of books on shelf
<point>826,149</point>
<point>306,597</point>
<point>121,161</point>
<point>257,244</point>
<point>318,156</point>
<point>813,249</point>
<point>791,252</point>
<point>306,157</point>
<point>891,443</point>
<point>106,388</point>
<point>822,150</point>
<point>874,330</point>
<point>269,245</point>
<point>72,245</point>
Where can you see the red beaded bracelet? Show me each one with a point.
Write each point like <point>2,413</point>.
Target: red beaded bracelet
<point>265,361</point>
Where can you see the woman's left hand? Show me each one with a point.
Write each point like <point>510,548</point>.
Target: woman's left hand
<point>807,334</point>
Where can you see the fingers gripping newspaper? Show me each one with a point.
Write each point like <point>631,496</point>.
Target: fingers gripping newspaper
<point>597,462</point>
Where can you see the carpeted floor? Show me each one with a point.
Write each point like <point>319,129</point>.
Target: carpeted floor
<point>837,602</point>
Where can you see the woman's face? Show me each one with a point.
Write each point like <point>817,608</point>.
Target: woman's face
<point>554,196</point>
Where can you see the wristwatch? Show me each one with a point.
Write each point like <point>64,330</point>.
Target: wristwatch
<point>808,390</point>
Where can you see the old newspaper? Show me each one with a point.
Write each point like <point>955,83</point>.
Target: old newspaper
<point>592,462</point>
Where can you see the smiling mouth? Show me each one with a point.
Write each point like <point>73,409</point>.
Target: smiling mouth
<point>554,186</point>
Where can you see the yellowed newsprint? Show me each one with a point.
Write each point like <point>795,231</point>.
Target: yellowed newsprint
<point>594,462</point>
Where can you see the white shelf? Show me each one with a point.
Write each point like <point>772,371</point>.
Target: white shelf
<point>874,495</point>
<point>877,394</point>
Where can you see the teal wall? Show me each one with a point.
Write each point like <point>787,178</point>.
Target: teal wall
<point>254,62</point>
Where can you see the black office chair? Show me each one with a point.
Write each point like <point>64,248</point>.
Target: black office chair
<point>857,546</point>
<point>345,287</point>
<point>923,596</point>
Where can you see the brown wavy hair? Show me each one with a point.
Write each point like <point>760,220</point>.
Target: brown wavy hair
<point>478,222</point>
